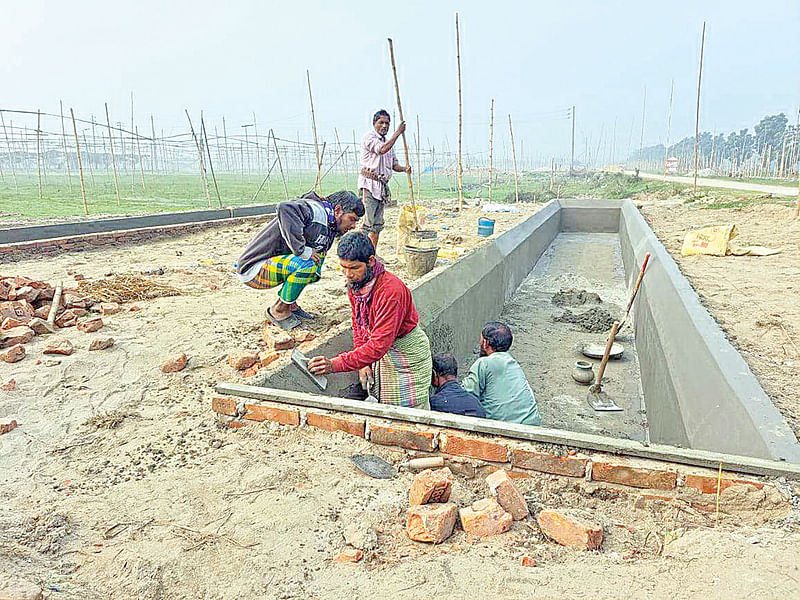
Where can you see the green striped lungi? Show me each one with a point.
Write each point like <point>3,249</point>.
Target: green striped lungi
<point>403,375</point>
<point>291,271</point>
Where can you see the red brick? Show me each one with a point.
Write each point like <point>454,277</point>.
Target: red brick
<point>484,518</point>
<point>639,477</point>
<point>13,354</point>
<point>707,484</point>
<point>474,448</point>
<point>90,325</point>
<point>236,424</point>
<point>276,340</point>
<point>267,358</point>
<point>63,347</point>
<point>251,370</point>
<point>353,426</point>
<point>16,335</point>
<point>351,555</point>
<point>6,427</point>
<point>11,322</point>
<point>224,406</point>
<point>528,561</point>
<point>261,412</point>
<point>431,486</point>
<point>19,309</point>
<point>431,523</point>
<point>101,343</point>
<point>10,385</point>
<point>507,494</point>
<point>40,326</point>
<point>174,363</point>
<point>405,437</point>
<point>242,359</point>
<point>68,318</point>
<point>545,462</point>
<point>570,528</point>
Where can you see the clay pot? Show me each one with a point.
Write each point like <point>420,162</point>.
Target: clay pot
<point>582,372</point>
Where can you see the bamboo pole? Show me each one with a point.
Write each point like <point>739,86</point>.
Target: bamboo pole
<point>153,163</point>
<point>139,152</point>
<point>203,175</point>
<point>39,152</point>
<point>419,160</point>
<point>10,154</point>
<point>344,162</point>
<point>491,149</point>
<point>783,156</point>
<point>697,111</point>
<point>514,155</point>
<point>669,125</point>
<point>113,157</point>
<point>405,142</point>
<point>318,184</point>
<point>225,140</point>
<point>64,140</point>
<point>280,166</point>
<point>460,168</point>
<point>210,164</point>
<point>80,164</point>
<point>89,162</point>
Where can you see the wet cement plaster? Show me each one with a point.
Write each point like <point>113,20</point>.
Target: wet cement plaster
<point>547,349</point>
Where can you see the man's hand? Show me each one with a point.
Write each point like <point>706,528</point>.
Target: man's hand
<point>316,258</point>
<point>407,169</point>
<point>319,365</point>
<point>400,129</point>
<point>365,377</point>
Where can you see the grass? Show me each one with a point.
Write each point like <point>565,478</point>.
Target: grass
<point>184,191</point>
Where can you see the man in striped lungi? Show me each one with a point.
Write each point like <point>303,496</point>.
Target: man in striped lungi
<point>390,346</point>
<point>290,250</point>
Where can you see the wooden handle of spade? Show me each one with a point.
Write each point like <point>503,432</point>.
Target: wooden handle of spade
<point>606,354</point>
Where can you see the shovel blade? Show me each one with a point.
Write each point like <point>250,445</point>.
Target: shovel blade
<point>601,402</point>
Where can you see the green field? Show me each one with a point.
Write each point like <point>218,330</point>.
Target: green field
<point>184,191</point>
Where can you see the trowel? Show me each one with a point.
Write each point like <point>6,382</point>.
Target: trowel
<point>598,399</point>
<point>301,361</point>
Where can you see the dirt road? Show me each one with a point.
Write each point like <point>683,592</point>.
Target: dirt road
<point>775,190</point>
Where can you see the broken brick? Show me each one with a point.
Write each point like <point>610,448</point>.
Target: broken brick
<point>43,311</point>
<point>68,318</point>
<point>174,363</point>
<point>40,326</point>
<point>350,555</point>
<point>570,528</point>
<point>484,518</point>
<point>10,385</point>
<point>431,523</point>
<point>431,486</point>
<point>640,477</point>
<point>25,292</point>
<point>276,340</point>
<point>106,308</point>
<point>13,354</point>
<point>11,322</point>
<point>90,325</point>
<point>507,494</point>
<point>242,359</point>
<point>528,561</point>
<point>707,484</point>
<point>16,335</point>
<point>251,370</point>
<point>59,347</point>
<point>19,309</point>
<point>267,358</point>
<point>224,406</point>
<point>101,343</point>
<point>304,336</point>
<point>6,427</point>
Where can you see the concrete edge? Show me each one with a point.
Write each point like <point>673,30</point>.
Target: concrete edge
<point>664,453</point>
<point>35,233</point>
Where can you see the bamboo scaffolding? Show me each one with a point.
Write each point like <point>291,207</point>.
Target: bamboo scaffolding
<point>210,164</point>
<point>10,154</point>
<point>39,152</point>
<point>405,142</point>
<point>344,162</point>
<point>491,149</point>
<point>280,166</point>
<point>64,140</point>
<point>419,161</point>
<point>80,164</point>
<point>203,175</point>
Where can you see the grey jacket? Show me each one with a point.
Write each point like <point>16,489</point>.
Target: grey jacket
<point>301,227</point>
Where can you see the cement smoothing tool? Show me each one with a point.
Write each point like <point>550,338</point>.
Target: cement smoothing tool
<point>598,399</point>
<point>301,362</point>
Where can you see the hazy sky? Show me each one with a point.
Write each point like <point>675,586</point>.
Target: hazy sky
<point>535,59</point>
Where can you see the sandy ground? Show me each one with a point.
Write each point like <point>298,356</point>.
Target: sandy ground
<point>120,484</point>
<point>754,299</point>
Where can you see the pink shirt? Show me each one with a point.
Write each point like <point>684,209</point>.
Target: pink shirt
<point>380,163</point>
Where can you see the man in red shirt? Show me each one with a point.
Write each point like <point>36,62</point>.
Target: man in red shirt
<point>391,348</point>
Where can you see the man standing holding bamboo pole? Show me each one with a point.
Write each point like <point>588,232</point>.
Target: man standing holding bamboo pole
<point>378,161</point>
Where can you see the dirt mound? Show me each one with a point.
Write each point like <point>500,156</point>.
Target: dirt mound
<point>573,297</point>
<point>594,320</point>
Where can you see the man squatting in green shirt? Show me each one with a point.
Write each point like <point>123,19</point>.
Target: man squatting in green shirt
<point>499,382</point>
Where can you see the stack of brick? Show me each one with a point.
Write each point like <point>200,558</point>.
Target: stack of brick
<point>431,517</point>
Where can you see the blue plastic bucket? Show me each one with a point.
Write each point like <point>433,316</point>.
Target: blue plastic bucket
<point>485,227</point>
